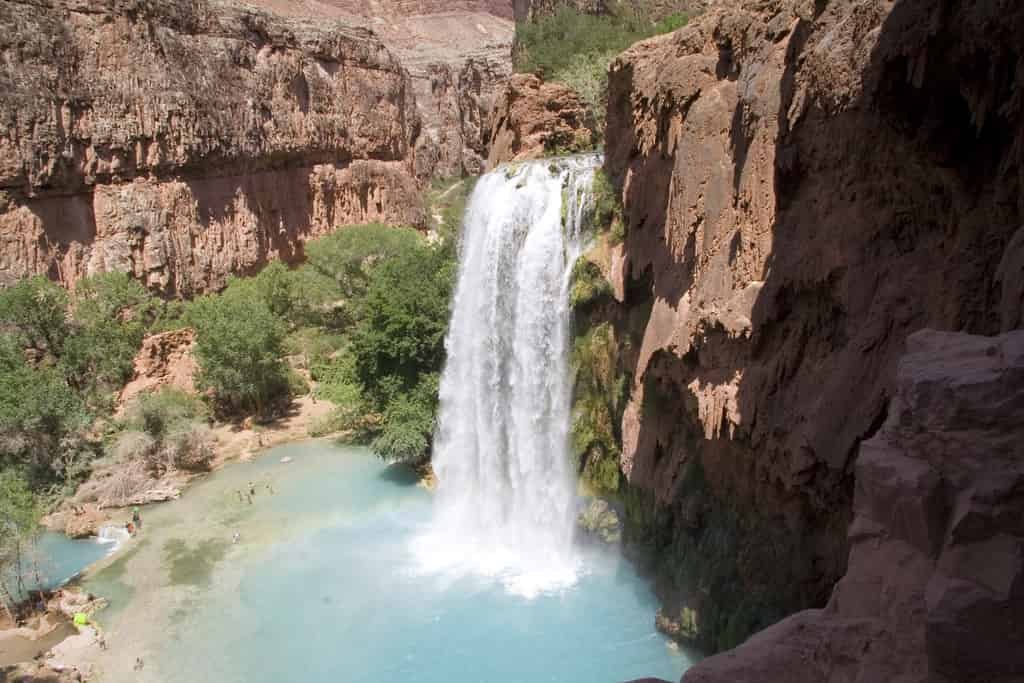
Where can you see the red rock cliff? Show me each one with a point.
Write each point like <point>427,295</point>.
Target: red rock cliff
<point>183,141</point>
<point>805,185</point>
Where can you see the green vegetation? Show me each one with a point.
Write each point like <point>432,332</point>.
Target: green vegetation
<point>385,380</point>
<point>601,390</point>
<point>62,358</point>
<point>19,522</point>
<point>588,284</point>
<point>240,350</point>
<point>163,430</point>
<point>576,48</point>
<point>608,208</point>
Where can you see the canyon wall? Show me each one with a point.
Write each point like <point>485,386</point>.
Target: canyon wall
<point>935,585</point>
<point>804,185</point>
<point>458,55</point>
<point>183,141</point>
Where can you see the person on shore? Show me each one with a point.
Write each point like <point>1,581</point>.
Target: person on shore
<point>252,489</point>
<point>235,538</point>
<point>136,518</point>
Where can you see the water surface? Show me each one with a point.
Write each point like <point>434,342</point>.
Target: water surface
<point>325,585</point>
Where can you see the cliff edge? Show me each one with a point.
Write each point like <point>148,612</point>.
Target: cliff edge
<point>804,184</point>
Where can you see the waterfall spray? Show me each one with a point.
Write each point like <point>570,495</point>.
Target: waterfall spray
<point>505,500</point>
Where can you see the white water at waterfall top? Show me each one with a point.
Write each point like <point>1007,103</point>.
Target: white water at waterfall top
<point>505,500</point>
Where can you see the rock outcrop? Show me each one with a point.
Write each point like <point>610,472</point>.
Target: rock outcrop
<point>533,119</point>
<point>185,140</point>
<point>458,55</point>
<point>805,184</point>
<point>935,585</point>
<point>164,360</point>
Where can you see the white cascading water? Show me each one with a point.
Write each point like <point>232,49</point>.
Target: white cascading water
<point>505,501</point>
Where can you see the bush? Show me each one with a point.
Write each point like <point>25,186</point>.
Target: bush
<point>239,348</point>
<point>339,266</point>
<point>165,431</point>
<point>42,420</point>
<point>409,424</point>
<point>402,322</point>
<point>110,316</point>
<point>608,215</point>
<point>160,412</point>
<point>36,310</point>
<point>588,284</point>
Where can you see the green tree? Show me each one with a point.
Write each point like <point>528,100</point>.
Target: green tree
<point>36,310</point>
<point>19,524</point>
<point>111,313</point>
<point>42,420</point>
<point>402,322</point>
<point>339,266</point>
<point>239,350</point>
<point>409,423</point>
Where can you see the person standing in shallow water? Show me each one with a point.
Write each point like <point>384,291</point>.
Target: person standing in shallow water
<point>136,519</point>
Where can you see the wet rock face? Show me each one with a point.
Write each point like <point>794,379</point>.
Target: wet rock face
<point>805,185</point>
<point>934,586</point>
<point>532,119</point>
<point>183,141</point>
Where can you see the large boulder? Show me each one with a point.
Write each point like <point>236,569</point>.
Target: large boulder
<point>935,586</point>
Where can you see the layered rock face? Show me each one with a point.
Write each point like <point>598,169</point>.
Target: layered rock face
<point>532,119</point>
<point>458,56</point>
<point>935,585</point>
<point>183,141</point>
<point>805,184</point>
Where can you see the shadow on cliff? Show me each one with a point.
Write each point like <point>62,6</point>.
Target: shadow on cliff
<point>892,213</point>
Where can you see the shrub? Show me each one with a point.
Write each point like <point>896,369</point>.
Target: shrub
<point>588,284</point>
<point>409,424</point>
<point>607,208</point>
<point>402,323</point>
<point>42,420</point>
<point>111,313</point>
<point>36,310</point>
<point>601,390</point>
<point>160,412</point>
<point>239,348</point>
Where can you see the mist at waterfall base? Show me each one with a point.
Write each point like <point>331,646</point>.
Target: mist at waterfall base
<point>352,572</point>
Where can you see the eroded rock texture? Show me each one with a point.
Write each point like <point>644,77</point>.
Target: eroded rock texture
<point>532,119</point>
<point>935,585</point>
<point>805,184</point>
<point>185,140</point>
<point>458,55</point>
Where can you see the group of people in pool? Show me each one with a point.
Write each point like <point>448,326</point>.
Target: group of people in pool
<point>249,495</point>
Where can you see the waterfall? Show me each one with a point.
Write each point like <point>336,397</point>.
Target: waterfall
<point>505,499</point>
